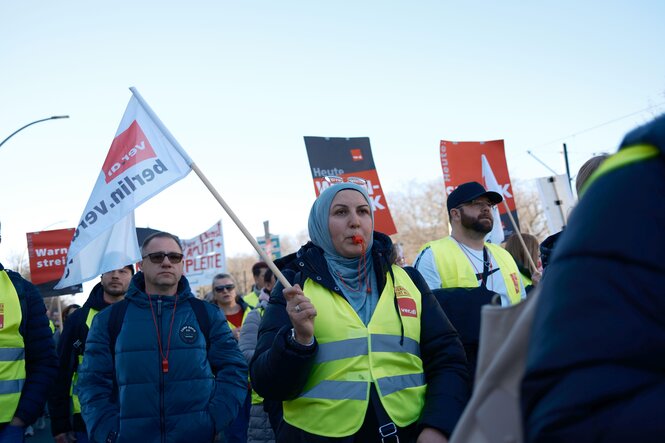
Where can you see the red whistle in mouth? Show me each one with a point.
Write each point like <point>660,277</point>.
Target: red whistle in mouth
<point>357,240</point>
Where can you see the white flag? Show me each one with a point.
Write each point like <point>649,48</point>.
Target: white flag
<point>496,235</point>
<point>143,160</point>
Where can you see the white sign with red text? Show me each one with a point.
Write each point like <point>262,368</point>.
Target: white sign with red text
<point>204,257</point>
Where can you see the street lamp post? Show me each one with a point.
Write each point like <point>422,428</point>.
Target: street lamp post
<point>30,124</point>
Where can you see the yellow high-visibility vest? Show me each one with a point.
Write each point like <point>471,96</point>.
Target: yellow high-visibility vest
<point>351,356</point>
<point>456,271</point>
<point>252,299</point>
<point>76,404</point>
<point>12,349</point>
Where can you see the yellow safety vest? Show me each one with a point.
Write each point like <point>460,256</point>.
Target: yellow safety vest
<point>12,349</point>
<point>76,404</point>
<point>351,356</point>
<point>456,271</point>
<point>252,299</point>
<point>526,280</point>
<point>244,316</point>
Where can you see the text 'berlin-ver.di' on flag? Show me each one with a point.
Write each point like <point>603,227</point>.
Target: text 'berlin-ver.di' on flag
<point>143,160</point>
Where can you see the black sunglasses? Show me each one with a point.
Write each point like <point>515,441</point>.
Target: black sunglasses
<point>158,257</point>
<point>222,288</point>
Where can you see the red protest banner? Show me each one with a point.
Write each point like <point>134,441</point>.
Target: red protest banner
<point>47,252</point>
<point>349,157</point>
<point>461,162</point>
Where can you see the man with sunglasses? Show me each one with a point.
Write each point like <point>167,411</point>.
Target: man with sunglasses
<point>464,259</point>
<point>173,371</point>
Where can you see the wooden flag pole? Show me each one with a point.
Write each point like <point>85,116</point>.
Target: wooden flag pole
<point>519,236</point>
<point>242,228</point>
<point>210,187</point>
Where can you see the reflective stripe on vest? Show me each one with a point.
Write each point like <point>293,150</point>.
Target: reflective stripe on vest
<point>12,349</point>
<point>76,404</point>
<point>456,271</point>
<point>351,356</point>
<point>622,158</point>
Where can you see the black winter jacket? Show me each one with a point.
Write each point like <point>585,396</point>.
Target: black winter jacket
<point>70,346</point>
<point>596,358</point>
<point>41,362</point>
<point>280,368</point>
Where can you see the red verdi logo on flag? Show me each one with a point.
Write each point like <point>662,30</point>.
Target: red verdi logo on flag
<point>356,155</point>
<point>128,149</point>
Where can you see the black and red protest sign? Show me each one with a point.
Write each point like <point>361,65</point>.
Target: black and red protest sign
<point>349,157</point>
<point>47,252</point>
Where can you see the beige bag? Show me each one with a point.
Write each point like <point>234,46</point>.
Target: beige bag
<point>493,414</point>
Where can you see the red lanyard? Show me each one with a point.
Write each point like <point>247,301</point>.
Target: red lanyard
<point>165,358</point>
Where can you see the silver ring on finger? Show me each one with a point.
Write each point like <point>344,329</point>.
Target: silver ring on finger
<point>297,308</point>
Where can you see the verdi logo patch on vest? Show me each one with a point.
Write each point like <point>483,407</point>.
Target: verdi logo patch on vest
<point>2,315</point>
<point>188,334</point>
<point>407,305</point>
<point>516,281</point>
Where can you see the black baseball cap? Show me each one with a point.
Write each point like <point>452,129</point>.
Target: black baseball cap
<point>467,192</point>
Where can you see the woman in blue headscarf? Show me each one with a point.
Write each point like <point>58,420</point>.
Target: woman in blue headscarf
<point>358,349</point>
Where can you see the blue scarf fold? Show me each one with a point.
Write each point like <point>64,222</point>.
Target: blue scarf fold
<point>344,270</point>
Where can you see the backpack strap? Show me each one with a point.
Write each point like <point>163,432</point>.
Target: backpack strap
<point>202,317</point>
<point>116,317</point>
<point>118,310</point>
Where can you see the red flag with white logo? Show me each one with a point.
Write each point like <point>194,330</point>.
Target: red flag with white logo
<point>142,161</point>
<point>461,162</point>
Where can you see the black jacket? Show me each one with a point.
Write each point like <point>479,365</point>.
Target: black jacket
<point>41,362</point>
<point>280,368</point>
<point>596,358</point>
<point>70,346</point>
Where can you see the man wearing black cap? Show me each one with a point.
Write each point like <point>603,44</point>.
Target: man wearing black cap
<point>464,259</point>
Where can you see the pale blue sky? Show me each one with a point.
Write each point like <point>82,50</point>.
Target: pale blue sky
<point>240,83</point>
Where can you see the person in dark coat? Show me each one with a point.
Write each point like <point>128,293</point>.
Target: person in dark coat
<point>29,363</point>
<point>596,357</point>
<point>64,408</point>
<point>165,379</point>
<point>325,343</point>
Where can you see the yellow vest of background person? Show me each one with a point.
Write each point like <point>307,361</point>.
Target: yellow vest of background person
<point>351,356</point>
<point>526,280</point>
<point>252,299</point>
<point>76,405</point>
<point>12,349</point>
<point>244,317</point>
<point>456,271</point>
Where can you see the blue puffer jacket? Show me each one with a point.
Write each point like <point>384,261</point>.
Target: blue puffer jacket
<point>41,361</point>
<point>198,396</point>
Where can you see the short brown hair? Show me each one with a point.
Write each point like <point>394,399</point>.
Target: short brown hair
<point>588,168</point>
<point>514,247</point>
<point>161,234</point>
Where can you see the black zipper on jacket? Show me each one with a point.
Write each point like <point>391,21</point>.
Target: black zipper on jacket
<point>162,421</point>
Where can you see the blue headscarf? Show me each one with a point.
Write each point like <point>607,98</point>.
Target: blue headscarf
<point>344,270</point>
